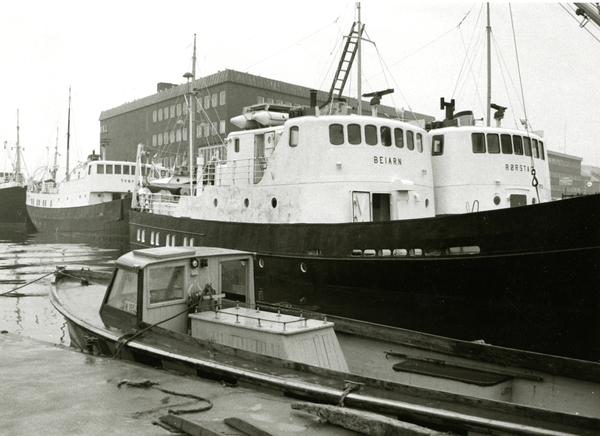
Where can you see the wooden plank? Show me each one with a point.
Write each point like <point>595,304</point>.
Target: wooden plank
<point>194,428</point>
<point>368,423</point>
<point>246,427</point>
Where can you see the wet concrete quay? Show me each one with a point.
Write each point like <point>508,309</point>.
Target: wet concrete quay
<point>50,389</point>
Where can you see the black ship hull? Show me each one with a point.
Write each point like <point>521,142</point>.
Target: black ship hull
<point>525,278</point>
<point>104,220</point>
<point>13,213</point>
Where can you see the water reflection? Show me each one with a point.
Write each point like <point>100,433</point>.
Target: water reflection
<point>27,262</point>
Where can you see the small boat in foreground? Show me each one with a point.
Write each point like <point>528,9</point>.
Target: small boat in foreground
<point>193,309</point>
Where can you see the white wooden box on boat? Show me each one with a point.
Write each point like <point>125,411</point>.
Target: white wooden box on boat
<point>302,340</point>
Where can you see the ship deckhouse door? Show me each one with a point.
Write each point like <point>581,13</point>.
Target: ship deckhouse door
<point>259,157</point>
<point>361,207</point>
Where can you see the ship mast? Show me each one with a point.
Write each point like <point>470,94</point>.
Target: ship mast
<point>489,67</point>
<point>68,132</point>
<point>18,158</point>
<point>359,52</point>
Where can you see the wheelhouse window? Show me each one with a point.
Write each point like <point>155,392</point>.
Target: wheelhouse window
<point>399,138</point>
<point>518,144</point>
<point>478,142</point>
<point>236,141</point>
<point>437,148</point>
<point>542,154</point>
<point>419,143</point>
<point>165,283</point>
<point>506,142</point>
<point>123,291</point>
<point>493,143</point>
<point>370,134</point>
<point>386,136</point>
<point>100,169</point>
<point>527,146</point>
<point>109,169</point>
<point>336,134</point>
<point>410,140</point>
<point>535,149</point>
<point>354,134</point>
<point>234,279</point>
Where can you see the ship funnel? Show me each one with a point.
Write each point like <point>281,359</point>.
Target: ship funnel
<point>465,118</point>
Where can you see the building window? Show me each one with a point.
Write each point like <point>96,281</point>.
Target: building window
<point>184,109</point>
<point>214,100</point>
<point>173,111</point>
<point>160,113</point>
<point>154,116</point>
<point>260,99</point>
<point>160,139</point>
<point>178,109</point>
<point>207,102</point>
<point>166,113</point>
<point>178,135</point>
<point>172,136</point>
<point>166,138</point>
<point>199,128</point>
<point>185,134</point>
<point>206,130</point>
<point>222,98</point>
<point>222,126</point>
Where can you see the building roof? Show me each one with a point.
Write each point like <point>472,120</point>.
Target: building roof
<point>217,79</point>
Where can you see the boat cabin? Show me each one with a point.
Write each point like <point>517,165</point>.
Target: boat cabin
<point>208,293</point>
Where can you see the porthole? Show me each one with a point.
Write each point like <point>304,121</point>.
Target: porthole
<point>496,200</point>
<point>261,263</point>
<point>215,202</point>
<point>274,202</point>
<point>246,202</point>
<point>303,267</point>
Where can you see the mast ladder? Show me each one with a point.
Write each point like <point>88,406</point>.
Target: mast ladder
<point>346,60</point>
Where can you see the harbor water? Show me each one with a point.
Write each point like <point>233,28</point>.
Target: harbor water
<point>27,262</point>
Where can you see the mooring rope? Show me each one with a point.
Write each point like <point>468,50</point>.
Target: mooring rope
<point>150,384</point>
<point>26,284</point>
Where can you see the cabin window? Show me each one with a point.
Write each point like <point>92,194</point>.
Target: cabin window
<point>234,279</point>
<point>165,283</point>
<point>386,136</point>
<point>535,149</point>
<point>478,142</point>
<point>371,134</point>
<point>336,134</point>
<point>493,143</point>
<point>542,155</point>
<point>126,169</point>
<point>109,169</point>
<point>89,170</point>
<point>100,169</point>
<point>419,143</point>
<point>123,291</point>
<point>518,143</point>
<point>118,169</point>
<point>410,140</point>
<point>506,143</point>
<point>399,138</point>
<point>354,134</point>
<point>437,148</point>
<point>294,136</point>
<point>527,146</point>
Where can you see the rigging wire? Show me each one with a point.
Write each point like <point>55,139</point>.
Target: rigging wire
<point>580,24</point>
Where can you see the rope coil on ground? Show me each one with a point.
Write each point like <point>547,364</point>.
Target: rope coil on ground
<point>150,384</point>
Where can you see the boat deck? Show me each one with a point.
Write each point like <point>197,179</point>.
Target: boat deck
<point>386,370</point>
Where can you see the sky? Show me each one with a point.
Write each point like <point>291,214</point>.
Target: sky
<point>113,52</point>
